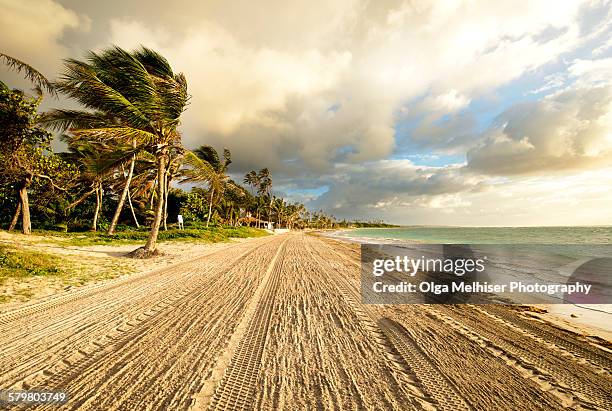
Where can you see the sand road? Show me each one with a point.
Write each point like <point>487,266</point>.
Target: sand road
<point>277,323</point>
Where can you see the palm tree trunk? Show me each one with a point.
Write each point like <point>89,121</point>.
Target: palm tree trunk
<point>152,194</point>
<point>94,224</point>
<point>132,209</point>
<point>15,217</point>
<point>212,192</point>
<point>270,208</point>
<point>126,189</point>
<point>26,223</point>
<point>161,176</point>
<point>168,179</point>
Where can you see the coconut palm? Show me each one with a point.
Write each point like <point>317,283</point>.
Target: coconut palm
<point>280,208</point>
<point>260,209</point>
<point>252,179</point>
<point>29,72</point>
<point>95,164</point>
<point>294,214</point>
<point>204,165</point>
<point>265,182</point>
<point>130,96</point>
<point>265,188</point>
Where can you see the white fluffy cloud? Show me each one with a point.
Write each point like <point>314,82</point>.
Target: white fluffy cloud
<point>330,84</point>
<point>568,130</point>
<point>317,91</point>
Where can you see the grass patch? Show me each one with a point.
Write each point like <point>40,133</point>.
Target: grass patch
<point>15,262</point>
<point>25,273</point>
<point>193,233</point>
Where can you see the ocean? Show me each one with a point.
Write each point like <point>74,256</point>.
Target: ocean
<point>484,235</point>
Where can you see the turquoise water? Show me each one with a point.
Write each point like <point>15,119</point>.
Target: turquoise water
<point>489,235</point>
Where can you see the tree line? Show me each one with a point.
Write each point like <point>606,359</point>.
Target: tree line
<point>125,161</point>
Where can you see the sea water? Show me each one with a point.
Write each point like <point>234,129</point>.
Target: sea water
<point>484,235</point>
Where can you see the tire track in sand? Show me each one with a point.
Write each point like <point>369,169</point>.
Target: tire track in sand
<point>569,344</point>
<point>395,340</point>
<point>54,355</point>
<point>236,388</point>
<point>403,338</point>
<point>575,386</point>
<point>163,341</point>
<point>434,381</point>
<point>545,381</point>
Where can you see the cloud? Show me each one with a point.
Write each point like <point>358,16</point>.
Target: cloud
<point>387,184</point>
<point>31,30</point>
<point>568,130</point>
<point>330,84</point>
<point>476,200</point>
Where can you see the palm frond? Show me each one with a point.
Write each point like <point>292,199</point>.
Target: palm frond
<point>198,169</point>
<point>62,120</point>
<point>119,133</point>
<point>81,82</point>
<point>29,72</point>
<point>209,155</point>
<point>155,63</point>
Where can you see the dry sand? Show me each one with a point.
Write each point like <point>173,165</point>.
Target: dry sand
<point>277,323</point>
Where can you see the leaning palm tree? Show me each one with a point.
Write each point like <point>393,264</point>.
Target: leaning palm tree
<point>35,76</point>
<point>204,165</point>
<point>95,164</point>
<point>130,96</point>
<point>129,157</point>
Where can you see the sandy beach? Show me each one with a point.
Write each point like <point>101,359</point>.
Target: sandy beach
<point>89,264</point>
<point>277,323</point>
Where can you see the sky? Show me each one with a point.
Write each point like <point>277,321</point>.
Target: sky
<point>443,112</point>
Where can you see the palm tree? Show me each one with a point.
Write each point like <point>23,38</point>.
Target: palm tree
<point>294,214</point>
<point>204,165</point>
<point>265,188</point>
<point>96,163</point>
<point>280,207</point>
<point>40,81</point>
<point>252,179</point>
<point>131,96</point>
<point>260,208</point>
<point>175,161</point>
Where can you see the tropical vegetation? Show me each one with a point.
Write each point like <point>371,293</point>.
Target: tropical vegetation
<point>125,168</point>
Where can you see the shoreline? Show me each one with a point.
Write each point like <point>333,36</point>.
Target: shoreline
<point>570,317</point>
